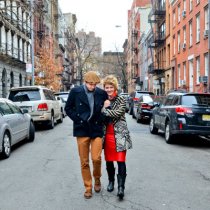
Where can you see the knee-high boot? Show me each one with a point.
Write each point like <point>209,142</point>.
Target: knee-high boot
<point>121,185</point>
<point>111,175</point>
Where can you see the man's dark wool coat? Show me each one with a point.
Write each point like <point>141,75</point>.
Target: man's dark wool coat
<point>78,109</point>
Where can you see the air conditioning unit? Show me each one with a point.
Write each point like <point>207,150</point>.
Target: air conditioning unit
<point>183,13</point>
<point>203,79</point>
<point>184,46</point>
<point>205,33</point>
<point>183,82</point>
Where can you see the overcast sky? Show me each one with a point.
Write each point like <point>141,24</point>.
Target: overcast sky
<point>102,17</point>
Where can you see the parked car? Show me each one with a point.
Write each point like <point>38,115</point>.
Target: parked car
<point>133,101</point>
<point>126,96</point>
<point>63,95</point>
<point>62,103</point>
<point>144,107</point>
<point>40,103</point>
<point>182,114</point>
<point>15,126</point>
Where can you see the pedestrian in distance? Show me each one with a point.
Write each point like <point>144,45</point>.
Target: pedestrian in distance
<point>84,106</point>
<point>117,138</point>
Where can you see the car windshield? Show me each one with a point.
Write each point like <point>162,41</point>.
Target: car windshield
<point>189,100</point>
<point>23,95</point>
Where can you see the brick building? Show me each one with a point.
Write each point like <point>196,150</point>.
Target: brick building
<point>189,51</point>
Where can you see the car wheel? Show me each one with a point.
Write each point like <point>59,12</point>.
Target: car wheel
<point>31,136</point>
<point>52,122</point>
<point>168,136</point>
<point>152,127</point>
<point>61,117</point>
<point>6,145</point>
<point>138,118</point>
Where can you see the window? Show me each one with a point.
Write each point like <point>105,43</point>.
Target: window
<point>197,69</point>
<point>191,5</point>
<point>184,71</point>
<point>5,109</point>
<point>174,18</point>
<point>174,42</point>
<point>175,100</point>
<point>184,35</point>
<point>206,18</point>
<point>178,41</point>
<point>198,28</point>
<point>197,1</point>
<point>191,35</point>
<point>184,5</point>
<point>179,13</point>
<point>179,76</point>
<point>206,64</point>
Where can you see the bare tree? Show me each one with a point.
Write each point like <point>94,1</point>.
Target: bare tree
<point>86,53</point>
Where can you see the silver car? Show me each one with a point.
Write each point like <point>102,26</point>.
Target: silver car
<point>40,103</point>
<point>15,126</point>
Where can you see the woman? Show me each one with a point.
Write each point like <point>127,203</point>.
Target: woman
<point>117,139</point>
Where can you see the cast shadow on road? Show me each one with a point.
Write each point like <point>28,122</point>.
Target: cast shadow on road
<point>191,141</point>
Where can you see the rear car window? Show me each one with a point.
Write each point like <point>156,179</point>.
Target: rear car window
<point>139,94</point>
<point>24,95</point>
<point>189,100</point>
<point>147,99</point>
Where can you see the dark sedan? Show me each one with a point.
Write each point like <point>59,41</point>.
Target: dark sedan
<point>144,108</point>
<point>182,114</point>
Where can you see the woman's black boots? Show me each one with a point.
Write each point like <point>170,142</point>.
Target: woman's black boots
<point>111,174</point>
<point>121,185</point>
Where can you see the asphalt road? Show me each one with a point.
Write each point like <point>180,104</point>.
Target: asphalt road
<point>45,174</point>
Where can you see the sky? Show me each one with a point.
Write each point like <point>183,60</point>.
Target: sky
<point>107,18</point>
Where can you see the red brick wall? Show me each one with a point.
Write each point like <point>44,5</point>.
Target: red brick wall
<point>197,49</point>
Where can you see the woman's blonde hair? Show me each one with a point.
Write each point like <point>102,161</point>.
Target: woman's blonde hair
<point>111,80</point>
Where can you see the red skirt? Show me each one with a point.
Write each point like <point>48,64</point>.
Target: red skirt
<point>110,146</point>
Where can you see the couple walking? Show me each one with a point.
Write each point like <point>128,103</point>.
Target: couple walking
<point>99,119</point>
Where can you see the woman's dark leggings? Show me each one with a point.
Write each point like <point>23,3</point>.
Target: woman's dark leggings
<point>121,167</point>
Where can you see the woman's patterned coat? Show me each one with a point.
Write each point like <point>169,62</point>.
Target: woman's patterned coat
<point>117,114</point>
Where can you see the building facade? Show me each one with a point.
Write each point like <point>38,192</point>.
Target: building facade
<point>15,44</point>
<point>190,28</point>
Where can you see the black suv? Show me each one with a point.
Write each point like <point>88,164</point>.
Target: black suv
<point>133,101</point>
<point>182,113</point>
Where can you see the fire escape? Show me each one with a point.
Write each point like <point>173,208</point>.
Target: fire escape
<point>135,53</point>
<point>157,42</point>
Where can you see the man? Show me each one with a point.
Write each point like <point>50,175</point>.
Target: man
<point>84,106</point>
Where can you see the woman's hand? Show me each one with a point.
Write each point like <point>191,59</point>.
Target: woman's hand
<point>107,103</point>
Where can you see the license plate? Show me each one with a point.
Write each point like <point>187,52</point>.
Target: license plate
<point>205,117</point>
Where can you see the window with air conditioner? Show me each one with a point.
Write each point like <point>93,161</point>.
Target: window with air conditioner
<point>184,45</point>
<point>206,18</point>
<point>183,82</point>
<point>205,33</point>
<point>184,13</point>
